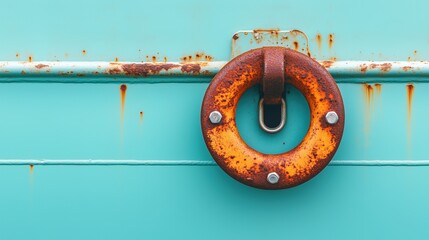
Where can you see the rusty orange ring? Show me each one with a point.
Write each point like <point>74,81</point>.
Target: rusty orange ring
<point>244,163</point>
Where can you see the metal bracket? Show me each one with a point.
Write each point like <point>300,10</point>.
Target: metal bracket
<point>243,41</point>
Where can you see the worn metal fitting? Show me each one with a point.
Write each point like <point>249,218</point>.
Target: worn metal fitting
<point>272,171</point>
<point>331,117</point>
<point>215,117</point>
<point>273,177</point>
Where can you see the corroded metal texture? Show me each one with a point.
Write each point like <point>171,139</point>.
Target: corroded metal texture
<point>250,166</point>
<point>273,78</point>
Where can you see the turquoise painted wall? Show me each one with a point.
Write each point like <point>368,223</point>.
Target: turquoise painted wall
<point>83,121</point>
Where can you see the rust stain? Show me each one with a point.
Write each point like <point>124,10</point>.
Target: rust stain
<point>84,52</point>
<point>123,92</point>
<point>165,59</point>
<point>191,68</point>
<point>23,72</point>
<point>319,41</point>
<point>377,88</point>
<point>31,168</point>
<point>187,58</point>
<point>40,66</point>
<point>331,40</point>
<point>30,58</point>
<point>369,98</point>
<point>139,69</point>
<point>141,117</point>
<point>154,59</point>
<point>410,93</point>
<point>369,93</point>
<point>17,55</point>
<point>198,57</point>
<point>296,45</point>
<point>363,68</point>
<point>328,63</point>
<point>235,37</point>
<point>116,59</point>
<point>407,68</point>
<point>385,67</point>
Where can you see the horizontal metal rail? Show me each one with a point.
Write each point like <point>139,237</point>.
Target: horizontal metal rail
<point>191,72</point>
<point>197,162</point>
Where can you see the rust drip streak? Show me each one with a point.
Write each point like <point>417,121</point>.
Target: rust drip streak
<point>410,93</point>
<point>377,88</point>
<point>296,45</point>
<point>369,97</point>
<point>31,168</point>
<point>141,117</point>
<point>123,90</point>
<point>319,41</point>
<point>331,40</point>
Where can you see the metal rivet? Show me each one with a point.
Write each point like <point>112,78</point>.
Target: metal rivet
<point>331,117</point>
<point>215,117</point>
<point>273,177</point>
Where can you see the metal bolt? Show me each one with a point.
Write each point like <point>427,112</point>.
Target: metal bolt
<point>215,117</point>
<point>273,177</point>
<point>331,117</point>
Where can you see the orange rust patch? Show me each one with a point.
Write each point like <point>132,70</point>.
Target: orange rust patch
<point>154,59</point>
<point>363,68</point>
<point>407,68</point>
<point>385,67</point>
<point>84,52</point>
<point>40,66</point>
<point>30,58</point>
<point>331,40</point>
<point>116,59</point>
<point>140,69</point>
<point>235,36</point>
<point>31,168</point>
<point>191,68</point>
<point>319,41</point>
<point>327,64</point>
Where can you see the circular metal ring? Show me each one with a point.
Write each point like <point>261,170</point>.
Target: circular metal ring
<point>252,167</point>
